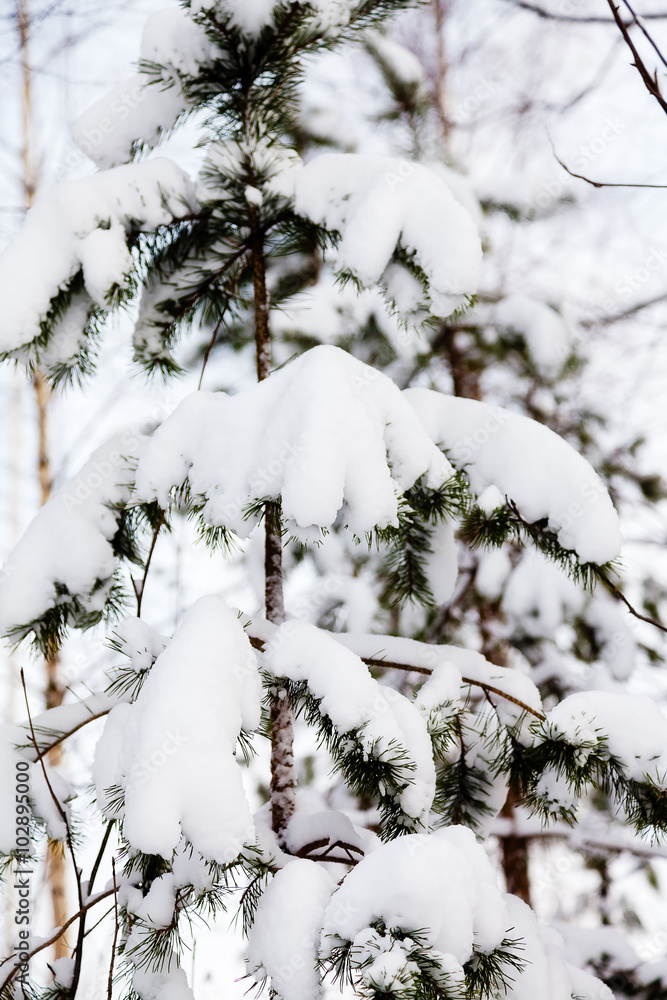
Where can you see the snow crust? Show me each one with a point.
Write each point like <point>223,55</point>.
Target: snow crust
<point>176,743</point>
<point>284,939</point>
<point>529,464</point>
<point>83,225</point>
<point>67,549</point>
<point>377,203</point>
<point>352,699</point>
<point>326,432</point>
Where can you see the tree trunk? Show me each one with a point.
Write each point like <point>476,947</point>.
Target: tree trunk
<point>515,856</point>
<point>282,724</point>
<point>514,849</point>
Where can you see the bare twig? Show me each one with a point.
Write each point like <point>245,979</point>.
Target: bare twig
<point>100,855</point>
<point>58,933</point>
<point>313,852</point>
<point>40,758</point>
<point>639,22</point>
<point>115,930</point>
<point>650,80</point>
<point>620,596</point>
<point>209,348</point>
<point>549,15</point>
<point>604,184</point>
<point>625,313</point>
<point>70,732</point>
<point>139,588</point>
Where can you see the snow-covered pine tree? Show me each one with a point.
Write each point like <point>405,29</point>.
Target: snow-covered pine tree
<point>517,607</point>
<point>392,894</point>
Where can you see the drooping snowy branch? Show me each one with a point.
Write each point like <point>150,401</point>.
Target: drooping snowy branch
<point>140,110</point>
<point>387,727</point>
<point>63,571</point>
<point>326,433</point>
<point>398,224</point>
<point>283,942</point>
<point>527,463</point>
<point>73,253</point>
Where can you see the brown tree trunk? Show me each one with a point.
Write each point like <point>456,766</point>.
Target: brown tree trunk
<point>283,789</point>
<point>515,854</point>
<point>515,850</point>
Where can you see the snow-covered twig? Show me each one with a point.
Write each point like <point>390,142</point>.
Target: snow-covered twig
<point>413,668</point>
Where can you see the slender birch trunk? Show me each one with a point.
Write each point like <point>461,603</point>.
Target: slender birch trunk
<point>54,691</point>
<point>282,723</point>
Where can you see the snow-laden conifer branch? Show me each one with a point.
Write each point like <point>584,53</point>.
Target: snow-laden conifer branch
<point>80,232</point>
<point>432,652</point>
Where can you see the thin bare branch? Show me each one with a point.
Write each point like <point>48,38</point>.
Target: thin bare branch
<point>604,184</point>
<point>139,588</point>
<point>551,15</point>
<point>625,313</point>
<point>650,80</point>
<point>639,22</point>
<point>620,596</point>
<point>115,930</point>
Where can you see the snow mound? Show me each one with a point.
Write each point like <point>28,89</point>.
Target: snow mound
<point>529,464</point>
<point>166,985</point>
<point>441,884</point>
<point>177,746</point>
<point>326,433</point>
<point>547,974</point>
<point>377,204</point>
<point>83,225</point>
<point>284,939</point>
